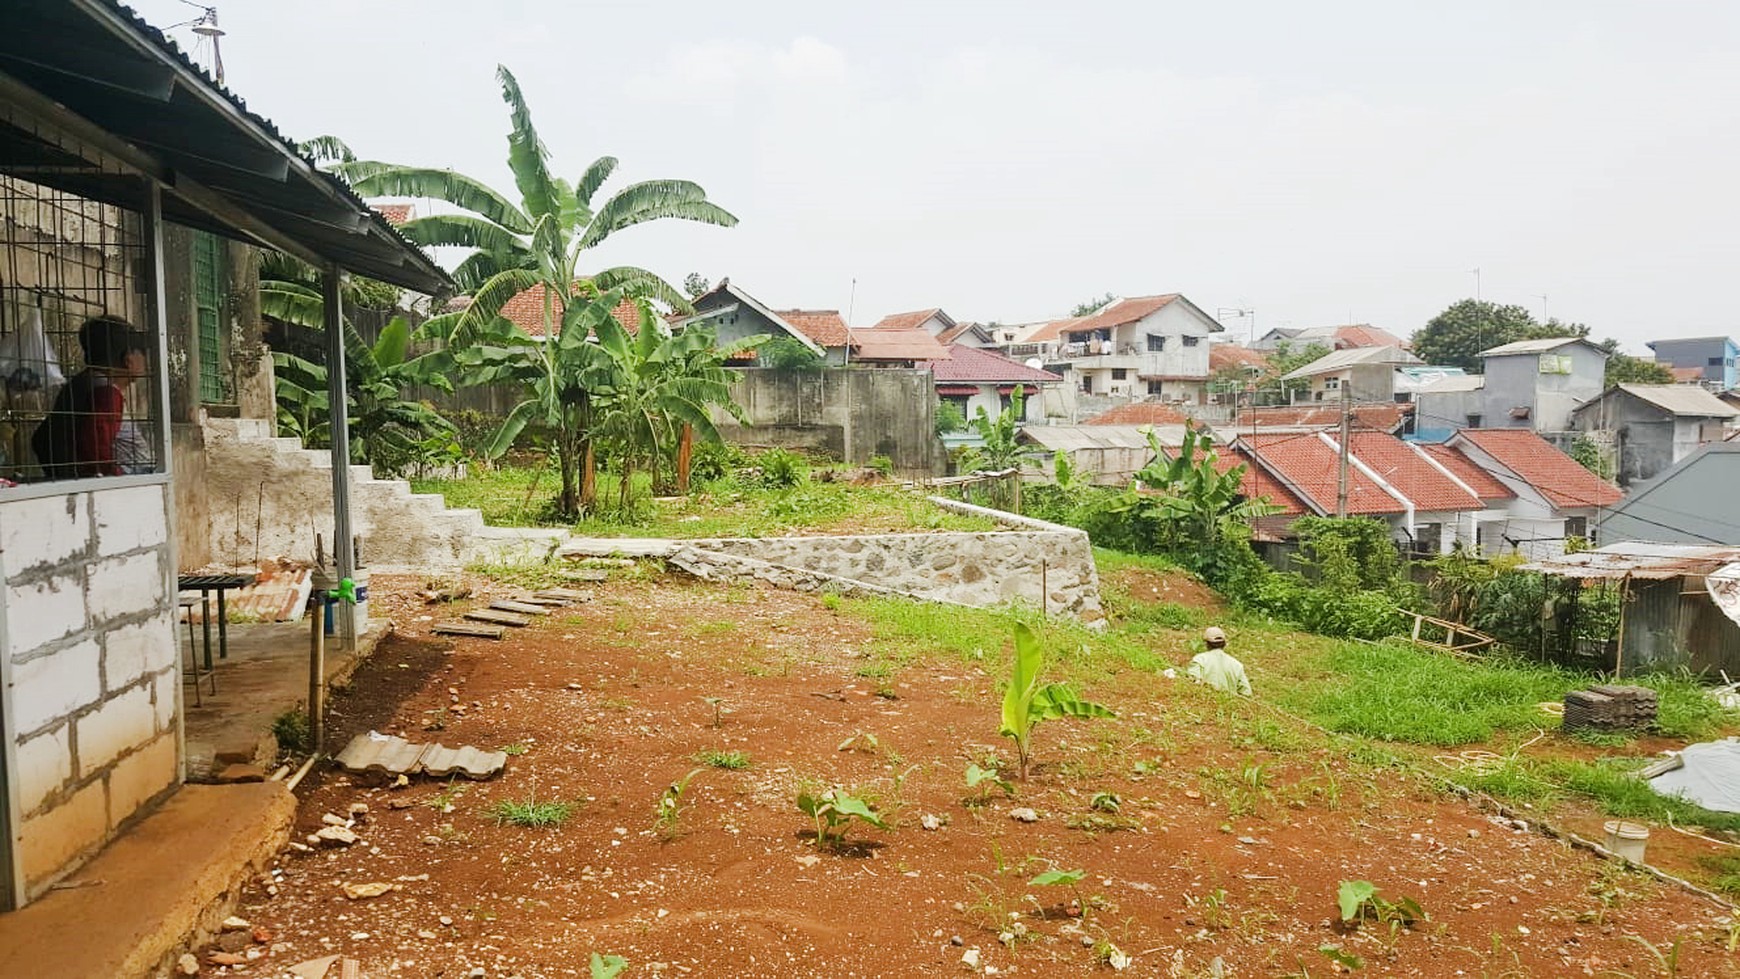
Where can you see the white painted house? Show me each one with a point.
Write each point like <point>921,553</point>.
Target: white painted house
<point>1141,347</point>
<point>1553,498</point>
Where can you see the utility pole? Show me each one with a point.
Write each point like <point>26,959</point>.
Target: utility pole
<point>1341,464</point>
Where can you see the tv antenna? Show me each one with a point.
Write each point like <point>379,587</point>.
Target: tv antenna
<point>206,26</point>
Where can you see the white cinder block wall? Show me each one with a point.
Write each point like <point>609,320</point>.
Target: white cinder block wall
<point>89,634</point>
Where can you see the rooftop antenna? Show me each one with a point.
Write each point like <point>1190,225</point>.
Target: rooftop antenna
<point>206,26</point>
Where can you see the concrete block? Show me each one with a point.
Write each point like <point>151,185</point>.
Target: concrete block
<point>140,776</point>
<point>52,686</point>
<point>133,651</point>
<point>163,693</point>
<point>129,519</point>
<point>120,724</point>
<point>50,841</point>
<point>35,533</point>
<point>124,586</point>
<point>42,612</point>
<point>44,764</point>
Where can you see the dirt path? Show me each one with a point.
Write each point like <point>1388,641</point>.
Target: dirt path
<point>1231,833</point>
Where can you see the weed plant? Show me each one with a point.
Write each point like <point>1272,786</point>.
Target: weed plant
<point>531,813</point>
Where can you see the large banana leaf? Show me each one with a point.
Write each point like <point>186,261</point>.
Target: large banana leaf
<point>527,157</point>
<point>592,179</point>
<point>373,178</point>
<point>463,231</point>
<point>650,200</point>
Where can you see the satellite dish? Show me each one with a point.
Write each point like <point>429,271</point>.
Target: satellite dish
<point>1035,363</point>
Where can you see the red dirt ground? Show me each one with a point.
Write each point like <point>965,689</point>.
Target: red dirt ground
<point>1233,832</point>
<point>1177,588</point>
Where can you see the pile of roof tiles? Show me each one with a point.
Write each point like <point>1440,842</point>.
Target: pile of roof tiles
<point>1606,707</point>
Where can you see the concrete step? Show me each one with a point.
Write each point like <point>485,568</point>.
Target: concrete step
<point>392,489</point>
<point>251,428</point>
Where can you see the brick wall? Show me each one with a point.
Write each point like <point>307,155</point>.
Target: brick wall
<point>89,634</point>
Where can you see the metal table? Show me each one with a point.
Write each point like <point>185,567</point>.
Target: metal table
<point>205,584</point>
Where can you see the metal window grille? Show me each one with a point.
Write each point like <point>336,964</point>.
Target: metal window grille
<point>64,259</point>
<point>208,293</point>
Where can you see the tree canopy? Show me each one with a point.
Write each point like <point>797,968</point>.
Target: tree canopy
<point>1087,308</point>
<point>1456,336</point>
<point>1626,369</point>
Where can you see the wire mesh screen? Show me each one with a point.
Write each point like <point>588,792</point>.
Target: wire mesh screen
<point>76,360</point>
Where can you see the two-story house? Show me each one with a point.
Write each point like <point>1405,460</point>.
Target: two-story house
<point>1713,357</point>
<point>1654,425</point>
<point>1140,347</point>
<point>1536,384</point>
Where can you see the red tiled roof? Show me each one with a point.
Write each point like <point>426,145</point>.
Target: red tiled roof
<point>1410,474</point>
<point>1377,416</point>
<point>1686,375</point>
<point>1307,463</point>
<point>905,321</point>
<point>1257,483</point>
<point>896,345</point>
<point>972,364</point>
<point>1141,413</point>
<point>1366,335</point>
<point>1484,484</point>
<point>1560,478</point>
<point>1124,311</point>
<point>396,214</point>
<point>526,311</point>
<point>824,326</point>
<point>955,332</point>
<point>1224,355</point>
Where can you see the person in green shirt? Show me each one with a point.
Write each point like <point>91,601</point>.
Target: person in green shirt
<point>1216,667</point>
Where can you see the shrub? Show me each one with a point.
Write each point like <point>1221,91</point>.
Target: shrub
<point>715,460</point>
<point>782,468</point>
<point>950,418</point>
<point>882,464</point>
<point>788,355</point>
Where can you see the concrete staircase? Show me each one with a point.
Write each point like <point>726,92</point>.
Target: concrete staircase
<point>269,497</point>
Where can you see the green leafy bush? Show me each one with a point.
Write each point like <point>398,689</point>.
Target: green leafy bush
<point>782,468</point>
<point>950,418</point>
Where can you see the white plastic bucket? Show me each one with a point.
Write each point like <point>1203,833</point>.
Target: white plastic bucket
<point>1627,838</point>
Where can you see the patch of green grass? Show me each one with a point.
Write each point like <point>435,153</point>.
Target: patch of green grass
<point>1108,560</point>
<point>1725,869</point>
<point>531,813</point>
<point>1612,784</point>
<point>1140,617</point>
<point>508,496</point>
<point>735,761</point>
<point>516,749</point>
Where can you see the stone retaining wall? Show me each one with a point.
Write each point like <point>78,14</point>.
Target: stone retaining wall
<point>977,569</point>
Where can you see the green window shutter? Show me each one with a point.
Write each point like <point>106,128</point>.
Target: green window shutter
<point>208,291</point>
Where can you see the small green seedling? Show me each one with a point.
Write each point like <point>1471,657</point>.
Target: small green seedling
<point>531,813</point>
<point>607,966</point>
<point>1026,703</point>
<point>832,810</point>
<point>862,741</point>
<point>718,705</point>
<point>1106,802</point>
<point>734,761</point>
<point>1064,878</point>
<point>987,777</point>
<point>1359,899</point>
<point>1347,960</point>
<point>670,806</point>
<point>516,749</point>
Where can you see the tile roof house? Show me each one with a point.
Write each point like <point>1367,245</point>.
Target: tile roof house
<point>1369,372</point>
<point>1654,425</point>
<point>972,379</point>
<point>1333,337</point>
<point>734,314</point>
<point>895,348</point>
<point>1553,496</point>
<point>825,326</point>
<point>396,214</point>
<point>526,311</point>
<point>932,321</point>
<point>1380,416</point>
<point>1138,347</point>
<point>1141,413</point>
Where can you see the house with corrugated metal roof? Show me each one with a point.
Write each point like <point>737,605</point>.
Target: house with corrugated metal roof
<point>1654,425</point>
<point>1535,384</point>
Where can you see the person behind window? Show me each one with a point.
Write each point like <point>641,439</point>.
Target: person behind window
<point>86,433</point>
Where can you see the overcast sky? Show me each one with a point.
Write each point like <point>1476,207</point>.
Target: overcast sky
<point>1320,163</point>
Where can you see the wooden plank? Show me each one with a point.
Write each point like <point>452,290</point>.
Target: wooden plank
<point>546,602</point>
<point>498,618</point>
<point>476,631</point>
<point>564,594</point>
<point>523,608</point>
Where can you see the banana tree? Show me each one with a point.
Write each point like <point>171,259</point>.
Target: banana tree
<point>539,241</point>
<point>387,430</point>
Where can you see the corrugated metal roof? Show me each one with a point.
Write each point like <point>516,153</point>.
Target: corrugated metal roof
<point>1534,346</point>
<point>1638,559</point>
<point>1351,357</point>
<point>222,167</point>
<point>1681,399</point>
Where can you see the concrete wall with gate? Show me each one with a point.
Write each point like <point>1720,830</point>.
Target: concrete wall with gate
<point>849,414</point>
<point>90,660</point>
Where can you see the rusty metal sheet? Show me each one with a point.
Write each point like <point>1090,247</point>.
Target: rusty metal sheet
<point>1638,559</point>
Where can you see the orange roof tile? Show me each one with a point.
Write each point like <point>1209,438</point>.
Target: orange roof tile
<point>972,364</point>
<point>1307,465</point>
<point>1378,416</point>
<point>1484,484</point>
<point>1053,330</point>
<point>1141,413</point>
<point>526,311</point>
<point>824,326</point>
<point>1558,477</point>
<point>396,214</point>
<point>915,345</point>
<point>1124,311</point>
<point>1257,483</point>
<point>906,321</point>
<point>1224,355</point>
<point>1410,474</point>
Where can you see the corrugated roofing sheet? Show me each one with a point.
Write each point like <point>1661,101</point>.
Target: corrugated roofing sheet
<point>1682,399</point>
<point>1352,357</point>
<point>1638,559</point>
